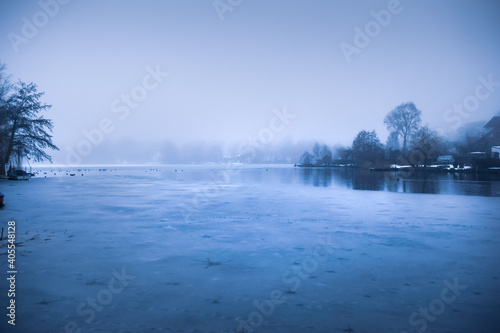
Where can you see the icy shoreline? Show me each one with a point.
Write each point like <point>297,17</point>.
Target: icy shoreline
<point>217,269</point>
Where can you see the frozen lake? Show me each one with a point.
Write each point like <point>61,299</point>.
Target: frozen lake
<point>252,249</point>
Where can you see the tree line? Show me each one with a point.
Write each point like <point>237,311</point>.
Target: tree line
<point>408,143</point>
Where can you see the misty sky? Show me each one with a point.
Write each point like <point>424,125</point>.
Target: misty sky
<point>225,77</point>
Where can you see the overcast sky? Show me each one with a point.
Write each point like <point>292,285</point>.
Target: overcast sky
<point>229,67</point>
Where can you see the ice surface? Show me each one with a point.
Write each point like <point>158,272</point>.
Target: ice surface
<point>206,243</point>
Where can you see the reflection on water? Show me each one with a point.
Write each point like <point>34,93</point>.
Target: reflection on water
<point>213,176</point>
<point>408,182</point>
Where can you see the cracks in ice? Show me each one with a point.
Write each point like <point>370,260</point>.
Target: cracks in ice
<point>211,263</point>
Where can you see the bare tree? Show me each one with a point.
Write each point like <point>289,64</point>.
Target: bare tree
<point>393,141</point>
<point>392,147</point>
<point>367,147</point>
<point>5,88</point>
<point>5,85</point>
<point>428,144</point>
<point>25,131</point>
<point>326,155</point>
<point>306,159</point>
<point>317,152</point>
<point>404,120</point>
<point>344,154</point>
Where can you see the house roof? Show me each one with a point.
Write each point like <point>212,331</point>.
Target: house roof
<point>493,123</point>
